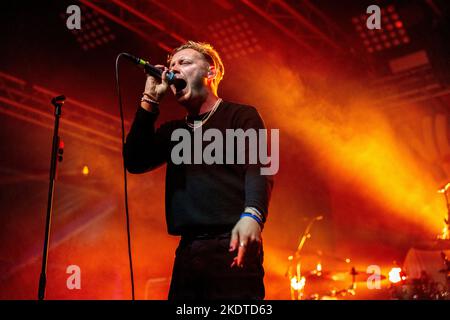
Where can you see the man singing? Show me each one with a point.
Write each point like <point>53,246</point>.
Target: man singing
<point>218,209</point>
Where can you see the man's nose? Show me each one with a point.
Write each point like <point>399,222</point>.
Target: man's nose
<point>175,69</point>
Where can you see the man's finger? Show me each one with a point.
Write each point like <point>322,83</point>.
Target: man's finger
<point>234,263</point>
<point>241,253</point>
<point>234,240</point>
<point>164,75</point>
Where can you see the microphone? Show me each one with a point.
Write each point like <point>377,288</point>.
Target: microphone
<point>59,100</point>
<point>156,72</point>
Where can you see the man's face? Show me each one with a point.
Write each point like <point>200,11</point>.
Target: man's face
<point>191,66</point>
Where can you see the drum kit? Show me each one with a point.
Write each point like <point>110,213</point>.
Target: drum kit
<point>316,283</point>
<point>319,284</point>
<point>326,285</point>
<point>431,284</point>
<point>419,289</point>
<point>426,286</point>
<point>325,282</point>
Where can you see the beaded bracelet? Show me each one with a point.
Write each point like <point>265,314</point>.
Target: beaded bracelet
<point>148,98</point>
<point>150,101</point>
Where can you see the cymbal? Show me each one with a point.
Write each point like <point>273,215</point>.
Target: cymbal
<point>360,276</point>
<point>321,276</point>
<point>318,275</point>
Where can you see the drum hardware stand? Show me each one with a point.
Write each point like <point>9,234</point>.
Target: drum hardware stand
<point>296,277</point>
<point>446,231</point>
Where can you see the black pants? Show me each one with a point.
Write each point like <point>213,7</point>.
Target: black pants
<point>202,271</point>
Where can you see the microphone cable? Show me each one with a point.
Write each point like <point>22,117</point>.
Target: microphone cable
<point>125,174</point>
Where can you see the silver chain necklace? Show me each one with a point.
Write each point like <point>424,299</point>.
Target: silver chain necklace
<point>204,120</point>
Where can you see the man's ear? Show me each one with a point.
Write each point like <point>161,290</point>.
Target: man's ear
<point>212,72</point>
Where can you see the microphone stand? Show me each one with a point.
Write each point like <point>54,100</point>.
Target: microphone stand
<point>57,151</point>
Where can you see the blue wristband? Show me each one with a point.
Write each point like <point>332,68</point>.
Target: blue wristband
<point>246,214</point>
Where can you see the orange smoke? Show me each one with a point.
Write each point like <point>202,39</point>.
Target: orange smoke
<point>353,142</point>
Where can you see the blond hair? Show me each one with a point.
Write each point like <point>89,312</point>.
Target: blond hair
<point>210,54</point>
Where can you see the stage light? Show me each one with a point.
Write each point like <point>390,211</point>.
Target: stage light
<point>298,284</point>
<point>85,170</point>
<point>234,33</point>
<point>396,275</point>
<point>319,267</point>
<point>378,39</point>
<point>93,29</point>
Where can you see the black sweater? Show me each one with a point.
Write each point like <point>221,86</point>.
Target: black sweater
<point>200,197</point>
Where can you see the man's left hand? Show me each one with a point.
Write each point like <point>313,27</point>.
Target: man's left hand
<point>246,235</point>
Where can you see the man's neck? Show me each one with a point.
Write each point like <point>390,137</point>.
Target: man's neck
<point>203,106</point>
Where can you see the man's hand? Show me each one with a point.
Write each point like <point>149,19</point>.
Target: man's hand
<point>155,88</point>
<point>246,236</point>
